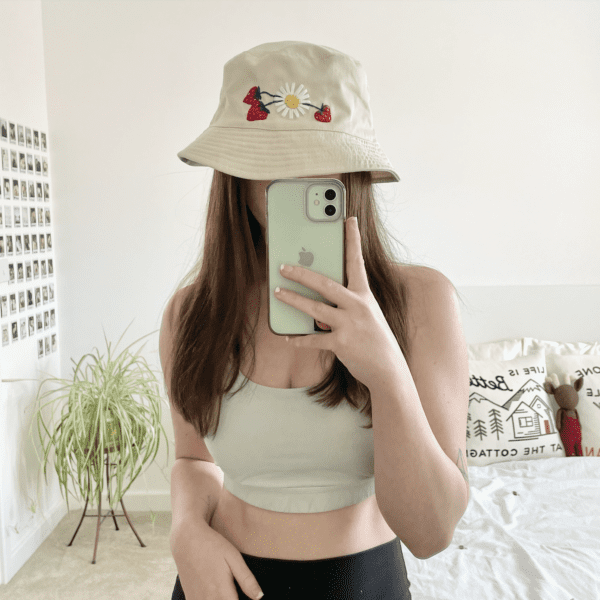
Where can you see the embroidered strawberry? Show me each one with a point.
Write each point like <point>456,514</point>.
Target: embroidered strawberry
<point>256,112</point>
<point>253,96</point>
<point>323,115</point>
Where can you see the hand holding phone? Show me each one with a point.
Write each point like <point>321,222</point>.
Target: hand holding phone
<point>305,226</point>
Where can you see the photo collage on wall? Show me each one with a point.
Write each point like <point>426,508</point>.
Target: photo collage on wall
<point>27,298</point>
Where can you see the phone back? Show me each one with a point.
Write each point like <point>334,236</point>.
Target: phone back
<point>302,231</point>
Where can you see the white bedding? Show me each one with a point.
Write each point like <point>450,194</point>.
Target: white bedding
<point>541,544</point>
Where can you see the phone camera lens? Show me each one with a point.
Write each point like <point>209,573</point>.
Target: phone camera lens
<point>330,210</point>
<point>330,194</point>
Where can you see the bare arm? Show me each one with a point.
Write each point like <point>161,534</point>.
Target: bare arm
<point>196,481</point>
<point>195,489</point>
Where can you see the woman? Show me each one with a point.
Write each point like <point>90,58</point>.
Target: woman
<point>335,447</point>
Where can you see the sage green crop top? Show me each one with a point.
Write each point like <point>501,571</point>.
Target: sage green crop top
<point>281,451</point>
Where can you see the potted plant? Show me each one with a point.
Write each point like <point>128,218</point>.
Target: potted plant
<point>102,416</point>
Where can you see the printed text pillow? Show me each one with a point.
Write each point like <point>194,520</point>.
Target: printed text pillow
<point>511,417</point>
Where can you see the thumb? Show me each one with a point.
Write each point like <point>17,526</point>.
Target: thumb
<point>246,579</point>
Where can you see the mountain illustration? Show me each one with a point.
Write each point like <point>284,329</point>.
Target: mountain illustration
<point>526,412</point>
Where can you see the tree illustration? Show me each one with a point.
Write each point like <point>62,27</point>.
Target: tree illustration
<point>496,422</point>
<point>480,430</point>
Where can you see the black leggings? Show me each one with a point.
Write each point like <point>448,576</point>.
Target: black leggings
<point>375,574</point>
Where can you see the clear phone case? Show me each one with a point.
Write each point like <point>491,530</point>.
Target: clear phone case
<point>305,226</point>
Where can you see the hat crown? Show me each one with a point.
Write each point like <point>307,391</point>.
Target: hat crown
<point>291,109</point>
<point>294,85</point>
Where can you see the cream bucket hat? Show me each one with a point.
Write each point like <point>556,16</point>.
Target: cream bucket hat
<point>291,109</point>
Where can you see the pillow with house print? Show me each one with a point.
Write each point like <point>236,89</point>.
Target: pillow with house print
<point>510,414</point>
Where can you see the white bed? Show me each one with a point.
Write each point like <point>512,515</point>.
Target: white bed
<point>531,532</point>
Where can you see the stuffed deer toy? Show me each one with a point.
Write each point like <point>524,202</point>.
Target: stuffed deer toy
<point>567,417</point>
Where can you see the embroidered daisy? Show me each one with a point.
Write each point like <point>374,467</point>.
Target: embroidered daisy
<point>291,100</point>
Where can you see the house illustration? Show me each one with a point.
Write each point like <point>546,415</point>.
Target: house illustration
<point>530,416</point>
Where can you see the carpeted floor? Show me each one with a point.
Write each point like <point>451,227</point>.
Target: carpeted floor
<point>123,569</point>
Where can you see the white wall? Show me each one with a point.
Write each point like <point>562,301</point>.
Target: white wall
<point>488,110</point>
<point>23,101</point>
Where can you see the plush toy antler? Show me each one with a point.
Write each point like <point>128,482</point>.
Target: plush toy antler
<point>567,417</point>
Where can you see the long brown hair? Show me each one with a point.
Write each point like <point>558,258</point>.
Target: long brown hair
<point>207,337</point>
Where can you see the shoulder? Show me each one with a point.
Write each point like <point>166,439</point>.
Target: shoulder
<point>173,309</point>
<point>420,280</point>
<point>419,273</point>
<point>428,293</point>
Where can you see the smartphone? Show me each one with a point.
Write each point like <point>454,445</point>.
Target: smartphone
<point>305,226</point>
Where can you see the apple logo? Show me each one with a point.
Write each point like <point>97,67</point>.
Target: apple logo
<point>306,258</point>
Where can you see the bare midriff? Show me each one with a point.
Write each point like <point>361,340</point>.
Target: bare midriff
<point>294,536</point>
<point>300,536</point>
